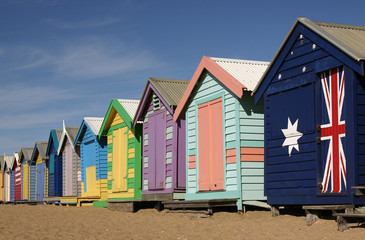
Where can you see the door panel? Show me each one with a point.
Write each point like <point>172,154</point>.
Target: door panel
<point>210,143</point>
<point>68,170</point>
<point>157,150</point>
<point>40,181</point>
<point>216,128</point>
<point>120,143</point>
<point>25,181</point>
<point>204,147</point>
<point>91,181</point>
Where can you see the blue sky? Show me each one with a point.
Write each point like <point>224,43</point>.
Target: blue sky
<point>65,60</point>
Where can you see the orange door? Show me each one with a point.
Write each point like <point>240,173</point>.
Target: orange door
<point>210,143</point>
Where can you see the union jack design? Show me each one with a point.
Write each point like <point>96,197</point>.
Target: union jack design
<point>333,86</point>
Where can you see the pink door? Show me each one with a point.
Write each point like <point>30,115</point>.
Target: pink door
<point>210,143</point>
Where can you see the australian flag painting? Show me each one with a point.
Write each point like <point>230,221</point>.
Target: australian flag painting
<point>293,131</point>
<point>333,130</point>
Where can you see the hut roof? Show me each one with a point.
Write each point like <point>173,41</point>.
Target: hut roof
<point>235,74</point>
<point>27,153</point>
<point>347,38</point>
<point>171,90</point>
<point>126,108</point>
<point>69,133</point>
<point>94,123</point>
<point>130,106</point>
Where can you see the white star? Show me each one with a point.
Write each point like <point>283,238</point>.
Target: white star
<point>291,136</point>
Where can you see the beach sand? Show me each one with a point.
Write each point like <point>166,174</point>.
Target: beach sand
<point>56,222</point>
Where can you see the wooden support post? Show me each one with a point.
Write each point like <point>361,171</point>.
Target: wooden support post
<point>311,217</point>
<point>342,223</point>
<point>159,206</point>
<point>275,211</point>
<point>349,210</point>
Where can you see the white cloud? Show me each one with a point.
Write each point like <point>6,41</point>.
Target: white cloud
<point>33,119</point>
<point>96,59</point>
<point>25,98</point>
<point>92,23</point>
<point>85,58</point>
<point>32,57</point>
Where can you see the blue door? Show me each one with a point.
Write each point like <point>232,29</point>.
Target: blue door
<point>33,180</point>
<point>40,181</point>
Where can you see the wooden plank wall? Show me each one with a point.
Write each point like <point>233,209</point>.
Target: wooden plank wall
<point>252,148</point>
<point>2,198</point>
<point>360,98</point>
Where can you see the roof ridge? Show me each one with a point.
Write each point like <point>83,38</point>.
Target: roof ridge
<point>167,80</point>
<point>240,61</point>
<point>336,25</point>
<point>95,118</point>
<point>128,100</point>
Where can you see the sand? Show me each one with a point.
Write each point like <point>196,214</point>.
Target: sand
<point>55,222</point>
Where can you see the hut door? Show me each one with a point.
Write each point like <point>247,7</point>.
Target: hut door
<point>333,132</point>
<point>25,181</point>
<point>17,183</point>
<point>120,154</point>
<point>210,141</point>
<point>68,169</point>
<point>157,150</point>
<point>89,173</point>
<point>40,181</point>
<point>6,185</point>
<point>91,188</point>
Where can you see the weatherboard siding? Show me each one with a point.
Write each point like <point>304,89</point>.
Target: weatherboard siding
<point>251,118</point>
<point>51,175</point>
<point>71,171</point>
<point>1,186</point>
<point>360,109</point>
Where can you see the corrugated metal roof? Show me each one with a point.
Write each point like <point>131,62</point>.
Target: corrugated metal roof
<point>350,39</point>
<point>42,148</point>
<point>94,123</point>
<point>27,153</point>
<point>59,134</point>
<point>245,71</point>
<point>72,133</point>
<point>130,106</point>
<point>9,161</point>
<point>2,163</point>
<point>170,89</point>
